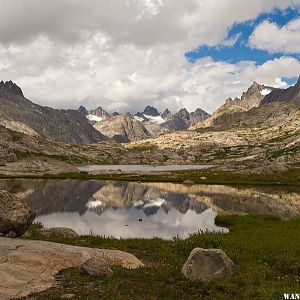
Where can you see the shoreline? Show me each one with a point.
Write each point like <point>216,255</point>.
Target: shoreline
<point>205,176</point>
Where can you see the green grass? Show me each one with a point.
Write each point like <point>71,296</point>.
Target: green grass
<point>265,250</point>
<point>288,178</point>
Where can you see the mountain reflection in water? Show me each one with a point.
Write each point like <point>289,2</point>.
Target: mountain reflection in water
<point>125,209</point>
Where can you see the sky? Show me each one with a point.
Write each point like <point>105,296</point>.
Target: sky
<point>126,54</point>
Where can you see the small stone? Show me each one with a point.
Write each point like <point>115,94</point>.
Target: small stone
<point>203,178</point>
<point>188,182</point>
<point>67,296</point>
<point>11,234</point>
<point>2,163</point>
<point>96,267</point>
<point>207,264</point>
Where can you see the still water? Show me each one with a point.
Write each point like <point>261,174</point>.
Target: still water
<point>142,168</point>
<point>128,210</point>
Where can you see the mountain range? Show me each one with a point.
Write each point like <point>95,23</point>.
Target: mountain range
<point>86,127</point>
<point>150,122</point>
<point>246,134</point>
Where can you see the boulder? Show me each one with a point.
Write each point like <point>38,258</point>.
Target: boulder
<point>96,267</point>
<point>2,162</point>
<point>15,214</point>
<point>207,264</point>
<point>11,234</point>
<point>29,267</point>
<point>58,231</point>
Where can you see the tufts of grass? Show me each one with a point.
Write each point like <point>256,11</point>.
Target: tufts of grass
<point>265,251</point>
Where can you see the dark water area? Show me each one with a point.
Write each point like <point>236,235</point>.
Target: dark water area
<point>146,210</point>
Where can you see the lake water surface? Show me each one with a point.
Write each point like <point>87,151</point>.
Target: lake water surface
<point>128,210</point>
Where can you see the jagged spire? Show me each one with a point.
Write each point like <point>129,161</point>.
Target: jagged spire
<point>9,88</point>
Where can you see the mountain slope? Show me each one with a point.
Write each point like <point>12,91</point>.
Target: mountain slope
<point>290,95</point>
<point>232,109</point>
<point>68,126</point>
<point>123,129</point>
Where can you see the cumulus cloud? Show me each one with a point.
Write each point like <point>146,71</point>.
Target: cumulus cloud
<point>125,54</point>
<point>273,38</point>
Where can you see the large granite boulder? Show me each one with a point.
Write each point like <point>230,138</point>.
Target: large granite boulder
<point>207,264</point>
<point>15,214</point>
<point>29,267</point>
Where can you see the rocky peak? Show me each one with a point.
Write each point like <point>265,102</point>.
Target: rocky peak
<point>9,89</point>
<point>167,114</point>
<point>151,111</point>
<point>99,112</point>
<point>254,89</point>
<point>254,95</point>
<point>229,101</point>
<point>254,86</point>
<point>83,110</point>
<point>183,113</point>
<point>128,114</point>
<point>199,112</point>
<point>198,116</point>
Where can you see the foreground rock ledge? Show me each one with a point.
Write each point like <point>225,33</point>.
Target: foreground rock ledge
<point>28,267</point>
<point>207,264</point>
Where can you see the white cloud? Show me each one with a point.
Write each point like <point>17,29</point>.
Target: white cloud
<point>229,42</point>
<point>273,38</point>
<point>125,54</point>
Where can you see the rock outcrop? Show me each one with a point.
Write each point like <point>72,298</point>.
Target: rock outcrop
<point>28,267</point>
<point>207,264</point>
<point>15,215</point>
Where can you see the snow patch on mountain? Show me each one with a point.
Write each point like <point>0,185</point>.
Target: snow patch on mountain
<point>139,118</point>
<point>94,118</point>
<point>94,204</point>
<point>155,120</point>
<point>265,92</point>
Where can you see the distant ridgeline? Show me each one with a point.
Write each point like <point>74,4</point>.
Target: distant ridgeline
<point>85,127</point>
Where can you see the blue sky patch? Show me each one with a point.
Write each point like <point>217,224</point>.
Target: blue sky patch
<point>241,50</point>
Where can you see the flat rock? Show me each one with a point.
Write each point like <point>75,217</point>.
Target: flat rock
<point>28,267</point>
<point>15,214</point>
<point>58,231</point>
<point>207,264</point>
<point>188,182</point>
